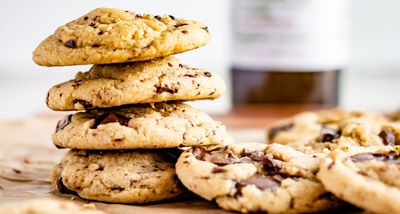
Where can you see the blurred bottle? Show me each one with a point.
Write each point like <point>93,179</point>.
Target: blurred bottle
<point>288,51</point>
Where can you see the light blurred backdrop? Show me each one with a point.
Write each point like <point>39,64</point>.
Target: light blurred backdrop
<point>371,80</point>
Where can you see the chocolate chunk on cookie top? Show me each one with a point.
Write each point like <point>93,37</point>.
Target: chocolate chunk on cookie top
<point>107,35</point>
<point>165,125</point>
<point>367,177</point>
<point>250,177</point>
<point>130,176</point>
<point>158,80</point>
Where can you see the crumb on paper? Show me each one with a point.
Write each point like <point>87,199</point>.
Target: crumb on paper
<point>90,206</point>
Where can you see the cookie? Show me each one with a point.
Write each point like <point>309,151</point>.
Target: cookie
<point>367,177</point>
<point>354,133</point>
<point>310,125</point>
<point>158,80</point>
<point>166,125</point>
<point>252,177</point>
<point>47,206</point>
<point>107,35</point>
<point>127,176</point>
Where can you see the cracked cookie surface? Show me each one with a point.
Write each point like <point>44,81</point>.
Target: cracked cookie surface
<point>252,177</point>
<point>367,177</point>
<point>130,176</point>
<point>166,125</point>
<point>107,35</point>
<point>157,80</point>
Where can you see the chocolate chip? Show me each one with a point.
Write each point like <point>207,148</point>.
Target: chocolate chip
<point>331,165</point>
<point>157,17</point>
<point>261,182</point>
<point>138,16</point>
<point>170,65</point>
<point>389,158</point>
<point>86,18</point>
<point>387,137</point>
<point>184,31</point>
<point>208,74</point>
<point>17,171</point>
<point>62,188</point>
<point>95,46</point>
<point>173,18</point>
<point>275,130</point>
<point>92,24</point>
<point>101,32</point>
<point>180,24</point>
<point>111,118</point>
<point>82,102</point>
<point>166,88</point>
<point>206,29</point>
<point>63,123</point>
<point>182,66</point>
<point>328,134</point>
<point>216,170</point>
<point>190,75</point>
<point>71,43</point>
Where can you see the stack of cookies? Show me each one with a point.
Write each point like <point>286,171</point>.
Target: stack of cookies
<point>130,115</point>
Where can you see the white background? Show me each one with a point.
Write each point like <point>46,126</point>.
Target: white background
<point>372,80</point>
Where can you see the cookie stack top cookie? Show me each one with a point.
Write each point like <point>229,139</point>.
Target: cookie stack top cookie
<point>107,35</point>
<point>132,76</point>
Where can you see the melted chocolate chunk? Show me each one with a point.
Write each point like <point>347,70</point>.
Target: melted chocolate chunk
<point>388,137</point>
<point>217,156</point>
<point>84,103</point>
<point>270,164</point>
<point>63,189</point>
<point>180,24</point>
<point>172,17</point>
<point>165,88</point>
<point>111,118</point>
<point>158,17</point>
<point>328,134</point>
<point>275,130</point>
<point>261,182</point>
<point>190,75</point>
<point>208,74</point>
<point>71,43</point>
<point>389,158</point>
<point>63,123</point>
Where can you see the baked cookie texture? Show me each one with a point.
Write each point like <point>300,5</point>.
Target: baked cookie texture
<point>47,206</point>
<point>252,177</point>
<point>367,177</point>
<point>107,35</point>
<point>308,125</point>
<point>354,133</point>
<point>166,125</point>
<point>157,80</point>
<point>132,176</point>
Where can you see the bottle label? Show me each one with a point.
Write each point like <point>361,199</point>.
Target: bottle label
<point>290,35</point>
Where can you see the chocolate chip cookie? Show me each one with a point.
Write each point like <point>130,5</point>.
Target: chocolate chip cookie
<point>157,80</point>
<point>320,126</point>
<point>130,176</point>
<point>47,206</point>
<point>252,177</point>
<point>165,125</point>
<point>368,177</point>
<point>107,35</point>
